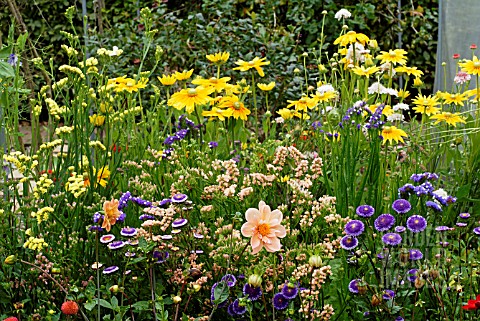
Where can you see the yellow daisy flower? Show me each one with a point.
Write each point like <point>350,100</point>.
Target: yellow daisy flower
<point>237,107</point>
<point>218,84</point>
<point>456,99</point>
<point>97,120</point>
<point>131,85</point>
<point>409,71</point>
<point>403,94</point>
<point>167,80</point>
<point>102,175</point>
<point>218,58</point>
<point>392,133</point>
<point>351,37</point>
<point>189,98</point>
<point>471,66</point>
<point>426,105</point>
<point>285,113</point>
<point>323,97</point>
<point>184,74</point>
<point>449,118</point>
<point>217,112</point>
<point>394,56</point>
<point>387,110</point>
<point>367,72</point>
<point>302,104</point>
<point>266,87</point>
<point>256,63</point>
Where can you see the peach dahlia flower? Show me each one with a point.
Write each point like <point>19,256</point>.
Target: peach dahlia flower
<point>263,226</point>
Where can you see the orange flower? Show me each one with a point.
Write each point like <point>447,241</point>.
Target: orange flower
<point>111,214</point>
<point>69,307</point>
<point>263,226</point>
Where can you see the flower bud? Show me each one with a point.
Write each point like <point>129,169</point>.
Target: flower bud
<point>376,300</point>
<point>10,260</point>
<point>362,287</point>
<point>197,287</point>
<point>114,288</point>
<point>419,282</point>
<point>177,299</point>
<point>315,261</point>
<point>255,280</point>
<point>56,270</point>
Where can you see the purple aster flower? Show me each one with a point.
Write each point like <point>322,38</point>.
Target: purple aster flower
<point>477,230</point>
<point>166,237</point>
<point>412,275</point>
<point>213,145</point>
<point>290,291</point>
<point>464,215</point>
<point>416,223</point>
<point>444,244</point>
<point>384,222</point>
<point>123,201</point>
<point>415,255</point>
<point>231,310</point>
<point>349,242</point>
<point>145,217</point>
<point>179,198</point>
<point>434,206</point>
<point>179,222</point>
<point>280,302</point>
<point>400,229</point>
<point>442,228</point>
<point>130,254</point>
<point>96,217</point>
<point>251,292</point>
<point>182,133</point>
<point>316,125</point>
<point>461,224</point>
<point>406,190</point>
<point>177,231</point>
<point>229,279</point>
<point>13,60</point>
<point>401,206</point>
<point>165,202</point>
<point>388,294</point>
<point>95,228</point>
<point>239,308</point>
<point>399,319</point>
<point>365,211</point>
<point>122,217</point>
<point>161,257</point>
<point>419,178</point>
<point>128,231</point>
<point>353,285</point>
<point>198,236</point>
<point>392,239</point>
<point>354,227</point>
<point>110,269</point>
<point>107,238</point>
<point>115,245</point>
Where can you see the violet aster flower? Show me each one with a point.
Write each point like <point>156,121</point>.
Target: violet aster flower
<point>354,227</point>
<point>179,198</point>
<point>400,229</point>
<point>392,239</point>
<point>130,254</point>
<point>110,269</point>
<point>13,60</point>
<point>165,202</point>
<point>280,302</point>
<point>107,238</point>
<point>122,217</point>
<point>166,237</point>
<point>179,222</point>
<point>412,275</point>
<point>442,228</point>
<point>353,285</point>
<point>399,319</point>
<point>231,310</point>
<point>198,236</point>
<point>464,215</point>
<point>384,222</point>
<point>388,294</point>
<point>290,291</point>
<point>415,255</point>
<point>461,224</point>
<point>251,292</point>
<point>123,201</point>
<point>434,206</point>
<point>406,190</point>
<point>238,308</point>
<point>96,217</point>
<point>161,257</point>
<point>477,230</point>
<point>128,231</point>
<point>401,206</point>
<point>212,145</point>
<point>229,279</point>
<point>115,245</point>
<point>416,223</point>
<point>349,242</point>
<point>365,211</point>
<point>145,217</point>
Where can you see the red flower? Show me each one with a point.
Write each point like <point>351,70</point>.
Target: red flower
<point>456,56</point>
<point>69,307</point>
<point>11,319</point>
<point>473,304</point>
<point>473,46</point>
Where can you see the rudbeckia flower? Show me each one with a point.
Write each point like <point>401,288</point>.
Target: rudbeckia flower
<point>409,71</point>
<point>264,227</point>
<point>167,80</point>
<point>392,133</point>
<point>351,37</point>
<point>218,84</point>
<point>367,72</point>
<point>236,107</point>
<point>217,112</point>
<point>449,118</point>
<point>256,63</point>
<point>426,105</point>
<point>218,58</point>
<point>394,56</point>
<point>189,98</point>
<point>302,104</point>
<point>266,87</point>
<point>471,66</point>
<point>184,74</point>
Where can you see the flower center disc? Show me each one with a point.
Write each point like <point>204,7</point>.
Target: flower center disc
<point>237,106</point>
<point>192,92</point>
<point>264,229</point>
<point>476,64</point>
<point>387,129</point>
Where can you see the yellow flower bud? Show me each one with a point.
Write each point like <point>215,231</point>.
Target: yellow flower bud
<point>10,260</point>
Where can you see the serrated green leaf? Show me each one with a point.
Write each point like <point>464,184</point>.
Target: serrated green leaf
<point>6,70</point>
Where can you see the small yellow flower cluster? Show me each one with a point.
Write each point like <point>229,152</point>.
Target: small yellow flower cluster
<point>50,145</point>
<point>42,186</point>
<point>60,84</point>
<point>34,243</point>
<point>69,35</point>
<point>37,109</point>
<point>63,130</point>
<point>119,116</point>
<point>111,53</point>
<point>37,61</point>
<point>54,109</point>
<point>97,144</point>
<point>97,120</point>
<point>92,61</point>
<point>73,70</point>
<point>69,50</point>
<point>42,214</point>
<point>76,185</point>
<point>20,161</point>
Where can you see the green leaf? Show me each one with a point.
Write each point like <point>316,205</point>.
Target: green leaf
<point>114,302</point>
<point>90,305</point>
<point>6,71</point>
<point>141,306</point>
<point>105,304</point>
<point>220,294</point>
<point>5,52</point>
<point>463,191</point>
